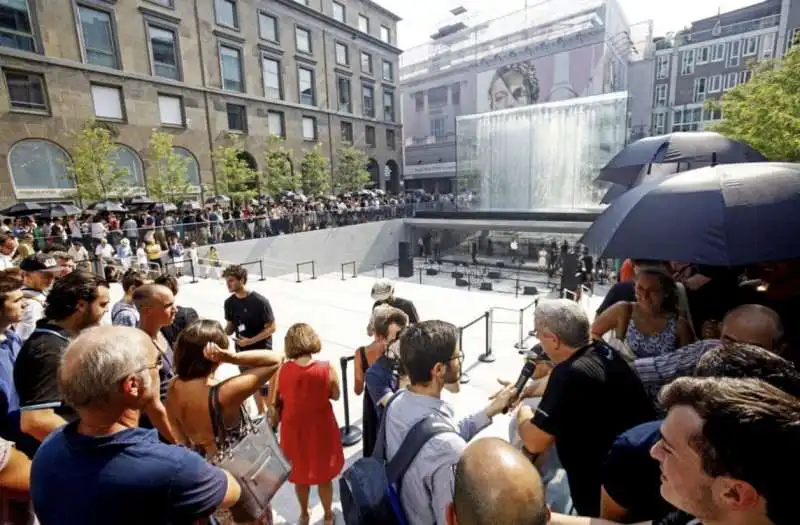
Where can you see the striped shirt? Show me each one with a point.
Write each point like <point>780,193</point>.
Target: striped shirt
<point>655,372</point>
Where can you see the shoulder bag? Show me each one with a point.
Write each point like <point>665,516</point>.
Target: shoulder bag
<point>252,456</point>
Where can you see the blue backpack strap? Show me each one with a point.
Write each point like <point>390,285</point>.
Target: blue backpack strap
<point>420,433</point>
<point>379,452</point>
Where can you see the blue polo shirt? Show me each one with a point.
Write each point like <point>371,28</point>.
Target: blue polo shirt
<point>9,399</point>
<point>128,478</point>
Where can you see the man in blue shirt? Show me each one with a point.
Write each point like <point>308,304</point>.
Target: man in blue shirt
<point>103,468</point>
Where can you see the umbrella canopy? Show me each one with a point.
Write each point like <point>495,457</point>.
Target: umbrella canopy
<point>219,199</point>
<point>21,209</point>
<point>191,206</point>
<point>614,192</point>
<point>638,176</point>
<point>60,210</point>
<point>727,215</point>
<point>164,207</point>
<point>112,206</point>
<point>141,200</point>
<point>697,149</point>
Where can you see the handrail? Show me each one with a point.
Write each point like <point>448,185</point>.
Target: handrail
<point>177,264</point>
<point>306,263</point>
<point>260,264</point>
<point>486,356</point>
<point>349,263</point>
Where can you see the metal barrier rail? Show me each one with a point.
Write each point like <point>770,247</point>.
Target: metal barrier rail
<point>260,264</point>
<point>520,345</point>
<point>349,263</point>
<point>390,263</point>
<point>349,434</point>
<point>487,356</point>
<point>181,264</point>
<point>306,263</point>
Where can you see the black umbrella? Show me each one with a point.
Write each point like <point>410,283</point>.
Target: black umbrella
<point>21,209</point>
<point>727,215</point>
<point>112,206</point>
<point>696,149</point>
<point>141,200</point>
<point>60,210</point>
<point>191,206</point>
<point>651,170</point>
<point>164,207</point>
<point>219,199</point>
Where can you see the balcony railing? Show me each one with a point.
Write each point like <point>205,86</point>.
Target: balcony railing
<point>430,139</point>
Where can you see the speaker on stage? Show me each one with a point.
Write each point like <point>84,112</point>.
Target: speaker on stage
<point>406,260</point>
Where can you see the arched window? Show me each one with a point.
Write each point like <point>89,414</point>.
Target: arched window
<point>192,168</point>
<point>39,165</point>
<point>129,160</point>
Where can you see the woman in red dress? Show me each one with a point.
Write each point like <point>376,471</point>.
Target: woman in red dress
<point>309,433</point>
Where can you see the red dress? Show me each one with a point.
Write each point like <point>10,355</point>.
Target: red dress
<point>309,433</point>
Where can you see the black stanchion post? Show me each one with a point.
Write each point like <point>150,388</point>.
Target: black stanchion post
<point>349,434</point>
<point>520,345</point>
<point>261,267</point>
<point>342,268</point>
<point>420,276</point>
<point>313,269</point>
<point>487,356</point>
<point>298,271</point>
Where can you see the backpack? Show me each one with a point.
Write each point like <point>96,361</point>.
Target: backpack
<point>370,488</point>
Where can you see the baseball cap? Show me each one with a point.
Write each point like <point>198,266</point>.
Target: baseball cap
<point>382,290</point>
<point>41,262</point>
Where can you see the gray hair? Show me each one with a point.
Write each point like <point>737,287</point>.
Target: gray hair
<point>97,361</point>
<point>565,318</point>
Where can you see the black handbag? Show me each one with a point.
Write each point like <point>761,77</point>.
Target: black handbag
<point>253,456</point>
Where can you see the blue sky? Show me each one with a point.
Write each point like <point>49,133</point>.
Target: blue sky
<point>422,17</point>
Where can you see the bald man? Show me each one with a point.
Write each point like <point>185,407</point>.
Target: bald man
<point>748,324</point>
<point>495,483</point>
<point>103,468</point>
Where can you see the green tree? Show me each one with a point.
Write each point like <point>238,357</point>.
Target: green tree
<point>314,175</point>
<point>278,172</point>
<point>765,112</point>
<point>235,177</point>
<point>351,170</point>
<point>169,180</point>
<point>94,169</point>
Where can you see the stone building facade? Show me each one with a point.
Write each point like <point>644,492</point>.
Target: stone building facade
<point>196,69</point>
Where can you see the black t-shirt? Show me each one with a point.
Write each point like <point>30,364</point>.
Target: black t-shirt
<point>249,317</point>
<point>36,370</point>
<point>624,291</point>
<point>715,298</point>
<point>401,304</point>
<point>677,518</point>
<point>183,318</point>
<point>591,398</point>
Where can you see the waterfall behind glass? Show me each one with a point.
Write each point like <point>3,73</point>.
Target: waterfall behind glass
<point>541,156</point>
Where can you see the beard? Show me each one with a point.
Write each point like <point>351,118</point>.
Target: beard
<point>452,374</point>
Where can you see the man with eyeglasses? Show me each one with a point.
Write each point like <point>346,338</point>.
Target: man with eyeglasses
<point>592,396</point>
<point>104,468</point>
<point>430,354</point>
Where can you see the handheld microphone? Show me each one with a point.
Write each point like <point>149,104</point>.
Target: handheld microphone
<point>524,375</point>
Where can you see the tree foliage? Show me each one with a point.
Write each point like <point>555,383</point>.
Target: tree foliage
<point>235,177</point>
<point>94,168</point>
<point>765,112</point>
<point>351,170</point>
<point>314,175</point>
<point>169,178</point>
<point>279,174</point>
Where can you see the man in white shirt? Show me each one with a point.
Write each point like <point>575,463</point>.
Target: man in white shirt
<point>38,271</point>
<point>8,247</point>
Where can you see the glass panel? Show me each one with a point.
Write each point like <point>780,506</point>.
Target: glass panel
<point>309,131</point>
<point>342,57</point>
<point>369,101</point>
<point>388,106</point>
<point>226,13</point>
<point>165,54</point>
<point>170,110</point>
<point>303,40</point>
<point>237,117</point>
<point>366,63</point>
<point>36,164</point>
<point>107,102</point>
<point>98,37</point>
<point>387,71</point>
<point>191,167</point>
<point>363,23</point>
<point>370,136</point>
<point>272,79</point>
<point>514,159</point>
<point>385,34</point>
<point>26,91</point>
<point>15,25</point>
<point>344,94</point>
<point>306,87</point>
<point>231,69</point>
<point>129,161</point>
<point>275,122</point>
<point>268,27</point>
<point>338,12</point>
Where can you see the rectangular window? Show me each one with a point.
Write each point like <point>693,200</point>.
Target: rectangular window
<point>345,97</point>
<point>275,123</point>
<point>715,84</point>
<point>388,106</point>
<point>793,36</point>
<point>171,110</point>
<point>107,102</point>
<point>438,127</point>
<point>366,63</point>
<point>26,91</point>
<point>363,23</point>
<point>268,27</point>
<point>309,128</point>
<point>237,117</point>
<point>369,100</point>
<point>699,90</point>
<point>339,12</point>
<point>419,101</point>
<point>745,76</point>
<point>735,53</point>
<point>16,25</point>
<point>164,52</point>
<point>386,34</point>
<point>768,46</point>
<point>99,39</point>
<point>273,87</point>
<point>437,97</point>
<point>388,71</point>
<point>306,85</point>
<point>687,62</point>
<point>455,94</point>
<point>302,40</point>
<point>702,55</point>
<point>226,14</point>
<point>730,81</point>
<point>718,52</point>
<point>391,139</point>
<point>342,54</point>
<point>659,123</point>
<point>231,65</point>
<point>369,136</point>
<point>662,68</point>
<point>661,95</point>
<point>347,132</point>
<point>750,46</point>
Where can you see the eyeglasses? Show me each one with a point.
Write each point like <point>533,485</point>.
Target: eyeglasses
<point>460,356</point>
<point>158,365</point>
